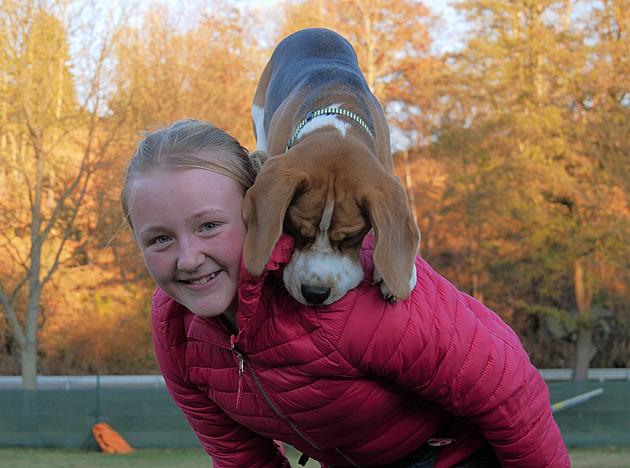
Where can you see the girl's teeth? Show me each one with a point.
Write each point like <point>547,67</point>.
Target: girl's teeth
<point>203,280</point>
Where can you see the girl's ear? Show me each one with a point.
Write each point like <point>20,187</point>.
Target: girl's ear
<point>264,207</point>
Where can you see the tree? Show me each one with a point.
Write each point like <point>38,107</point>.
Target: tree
<point>548,210</point>
<point>603,108</point>
<point>607,89</point>
<point>52,140</point>
<point>206,68</point>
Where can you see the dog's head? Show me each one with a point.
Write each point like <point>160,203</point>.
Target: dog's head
<point>328,195</point>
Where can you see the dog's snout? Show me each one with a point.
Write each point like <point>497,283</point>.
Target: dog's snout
<point>315,294</point>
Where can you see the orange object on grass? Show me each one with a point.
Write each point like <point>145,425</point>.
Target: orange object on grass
<point>110,440</point>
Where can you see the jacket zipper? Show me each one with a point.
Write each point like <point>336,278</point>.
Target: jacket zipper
<point>243,362</point>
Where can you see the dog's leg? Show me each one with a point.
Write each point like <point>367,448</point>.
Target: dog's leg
<point>258,118</point>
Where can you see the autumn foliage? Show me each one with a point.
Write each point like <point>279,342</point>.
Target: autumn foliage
<point>513,141</point>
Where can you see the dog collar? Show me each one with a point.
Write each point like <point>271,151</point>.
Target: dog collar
<point>327,111</point>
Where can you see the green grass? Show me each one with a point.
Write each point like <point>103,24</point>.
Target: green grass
<point>150,458</point>
<point>600,457</point>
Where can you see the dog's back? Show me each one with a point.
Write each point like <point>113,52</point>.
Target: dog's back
<point>306,63</point>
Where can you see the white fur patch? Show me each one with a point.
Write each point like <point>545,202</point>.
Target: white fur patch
<point>316,268</point>
<point>258,116</point>
<point>325,121</point>
<point>324,224</point>
<point>320,266</point>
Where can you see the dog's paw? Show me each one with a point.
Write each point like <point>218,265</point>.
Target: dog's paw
<point>387,294</point>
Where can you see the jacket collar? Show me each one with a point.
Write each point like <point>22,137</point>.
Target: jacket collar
<point>248,317</point>
<point>250,313</point>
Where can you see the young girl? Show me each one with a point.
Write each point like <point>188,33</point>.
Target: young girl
<point>436,380</point>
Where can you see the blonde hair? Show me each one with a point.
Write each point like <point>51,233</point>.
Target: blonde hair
<point>189,144</point>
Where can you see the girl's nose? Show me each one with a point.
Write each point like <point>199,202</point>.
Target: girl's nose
<point>190,256</point>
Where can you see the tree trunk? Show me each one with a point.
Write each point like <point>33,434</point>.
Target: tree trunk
<point>584,349</point>
<point>31,324</point>
<point>29,365</point>
<point>584,352</point>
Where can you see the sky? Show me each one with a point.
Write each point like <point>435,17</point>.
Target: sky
<point>448,39</point>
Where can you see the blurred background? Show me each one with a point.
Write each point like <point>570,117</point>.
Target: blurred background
<point>510,123</point>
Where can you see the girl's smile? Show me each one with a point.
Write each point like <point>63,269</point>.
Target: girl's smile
<point>189,227</point>
<point>203,280</point>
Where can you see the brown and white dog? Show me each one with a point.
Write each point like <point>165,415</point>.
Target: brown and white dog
<point>333,182</point>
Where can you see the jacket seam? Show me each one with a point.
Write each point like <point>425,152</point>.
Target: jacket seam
<point>400,341</point>
<point>483,410</point>
<point>464,395</point>
<point>325,335</point>
<point>438,289</point>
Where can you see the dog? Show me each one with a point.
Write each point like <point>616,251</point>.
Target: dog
<point>328,179</point>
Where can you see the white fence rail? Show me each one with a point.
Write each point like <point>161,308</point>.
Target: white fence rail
<point>599,375</point>
<point>60,382</point>
<point>68,382</point>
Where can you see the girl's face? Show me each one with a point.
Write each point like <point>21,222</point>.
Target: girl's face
<point>188,225</point>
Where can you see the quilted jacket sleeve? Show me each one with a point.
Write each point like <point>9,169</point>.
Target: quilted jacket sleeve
<point>230,444</point>
<point>452,350</point>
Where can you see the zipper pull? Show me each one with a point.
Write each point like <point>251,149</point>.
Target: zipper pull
<point>241,369</point>
<point>241,363</point>
<point>241,359</point>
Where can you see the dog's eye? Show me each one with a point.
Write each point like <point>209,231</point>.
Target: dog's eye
<point>349,239</point>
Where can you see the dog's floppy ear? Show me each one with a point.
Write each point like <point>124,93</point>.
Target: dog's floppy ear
<point>264,207</point>
<point>396,235</point>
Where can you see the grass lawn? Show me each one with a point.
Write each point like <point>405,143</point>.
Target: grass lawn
<point>600,457</point>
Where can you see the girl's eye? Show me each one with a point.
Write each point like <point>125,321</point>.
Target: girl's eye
<point>208,227</point>
<point>161,240</point>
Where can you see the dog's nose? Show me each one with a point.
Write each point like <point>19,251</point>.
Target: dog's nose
<point>315,294</point>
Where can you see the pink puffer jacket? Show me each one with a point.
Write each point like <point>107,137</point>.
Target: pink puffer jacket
<point>356,383</point>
